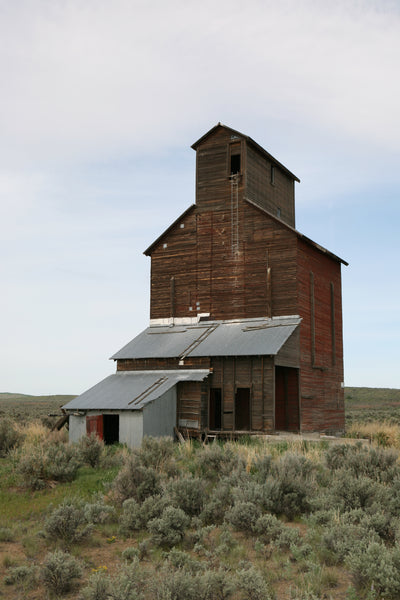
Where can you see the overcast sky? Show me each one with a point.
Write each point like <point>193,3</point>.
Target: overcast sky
<point>99,104</point>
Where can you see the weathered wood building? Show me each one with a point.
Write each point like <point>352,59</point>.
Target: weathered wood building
<point>245,314</point>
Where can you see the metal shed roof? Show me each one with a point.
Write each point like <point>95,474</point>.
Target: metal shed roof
<point>132,390</point>
<point>248,337</point>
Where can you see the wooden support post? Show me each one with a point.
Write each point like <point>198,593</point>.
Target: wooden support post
<point>312,319</point>
<point>172,292</point>
<point>333,327</point>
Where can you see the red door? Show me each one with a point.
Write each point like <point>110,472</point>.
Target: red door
<point>95,425</point>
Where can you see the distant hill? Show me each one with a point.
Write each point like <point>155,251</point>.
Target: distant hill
<point>362,404</point>
<point>25,408</point>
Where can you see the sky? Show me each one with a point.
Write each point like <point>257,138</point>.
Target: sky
<point>99,104</point>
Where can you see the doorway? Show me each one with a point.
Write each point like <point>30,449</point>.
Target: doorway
<point>287,414</point>
<point>242,409</point>
<point>111,429</point>
<point>215,420</point>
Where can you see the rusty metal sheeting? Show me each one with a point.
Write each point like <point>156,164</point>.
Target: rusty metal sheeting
<point>132,390</point>
<point>247,337</point>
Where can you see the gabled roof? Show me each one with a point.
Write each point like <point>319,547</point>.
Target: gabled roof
<point>245,337</point>
<point>299,235</point>
<point>132,390</point>
<point>149,250</point>
<point>250,141</point>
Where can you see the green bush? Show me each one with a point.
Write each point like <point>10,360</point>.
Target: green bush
<point>158,454</point>
<point>217,585</point>
<point>261,467</point>
<point>6,534</point>
<point>218,503</point>
<point>25,575</point>
<point>253,585</point>
<point>9,436</point>
<point>39,464</point>
<point>91,449</point>
<point>67,523</point>
<point>375,566</point>
<point>135,516</point>
<point>268,528</point>
<point>98,511</point>
<point>98,587</point>
<point>187,493</point>
<point>215,461</point>
<point>242,516</point>
<point>59,572</point>
<point>169,529</point>
<point>348,492</point>
<point>136,481</point>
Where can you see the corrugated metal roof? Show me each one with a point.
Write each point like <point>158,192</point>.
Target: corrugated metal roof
<point>248,337</point>
<point>132,390</point>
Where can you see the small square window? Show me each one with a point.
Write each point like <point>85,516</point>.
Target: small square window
<point>165,245</point>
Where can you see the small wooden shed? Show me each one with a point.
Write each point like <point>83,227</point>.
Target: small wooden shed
<point>241,301</point>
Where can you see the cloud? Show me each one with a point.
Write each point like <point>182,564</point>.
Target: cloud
<point>99,78</point>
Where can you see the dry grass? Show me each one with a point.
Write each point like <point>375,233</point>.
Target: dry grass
<point>381,433</point>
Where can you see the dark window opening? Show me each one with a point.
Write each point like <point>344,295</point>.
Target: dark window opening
<point>111,429</point>
<point>215,421</point>
<point>242,409</point>
<point>235,164</point>
<point>287,416</point>
<point>272,175</point>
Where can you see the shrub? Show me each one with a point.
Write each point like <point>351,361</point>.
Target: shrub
<point>261,467</point>
<point>97,511</point>
<point>6,534</point>
<point>182,560</point>
<point>157,453</point>
<point>67,523</point>
<point>26,575</point>
<point>242,516</point>
<point>97,588</point>
<point>169,529</point>
<point>268,528</point>
<point>375,566</point>
<point>187,493</point>
<point>288,538</point>
<point>219,501</point>
<point>59,572</point>
<point>135,516</point>
<point>176,585</point>
<point>40,463</point>
<point>341,538</point>
<point>349,492</point>
<point>217,585</point>
<point>91,448</point>
<point>131,553</point>
<point>215,461</point>
<point>253,585</point>
<point>136,481</point>
<point>9,436</point>
<point>128,583</point>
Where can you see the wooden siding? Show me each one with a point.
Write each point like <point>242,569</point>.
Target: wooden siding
<point>212,276</point>
<point>155,364</point>
<point>255,373</point>
<point>275,195</point>
<point>228,258</point>
<point>321,374</point>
